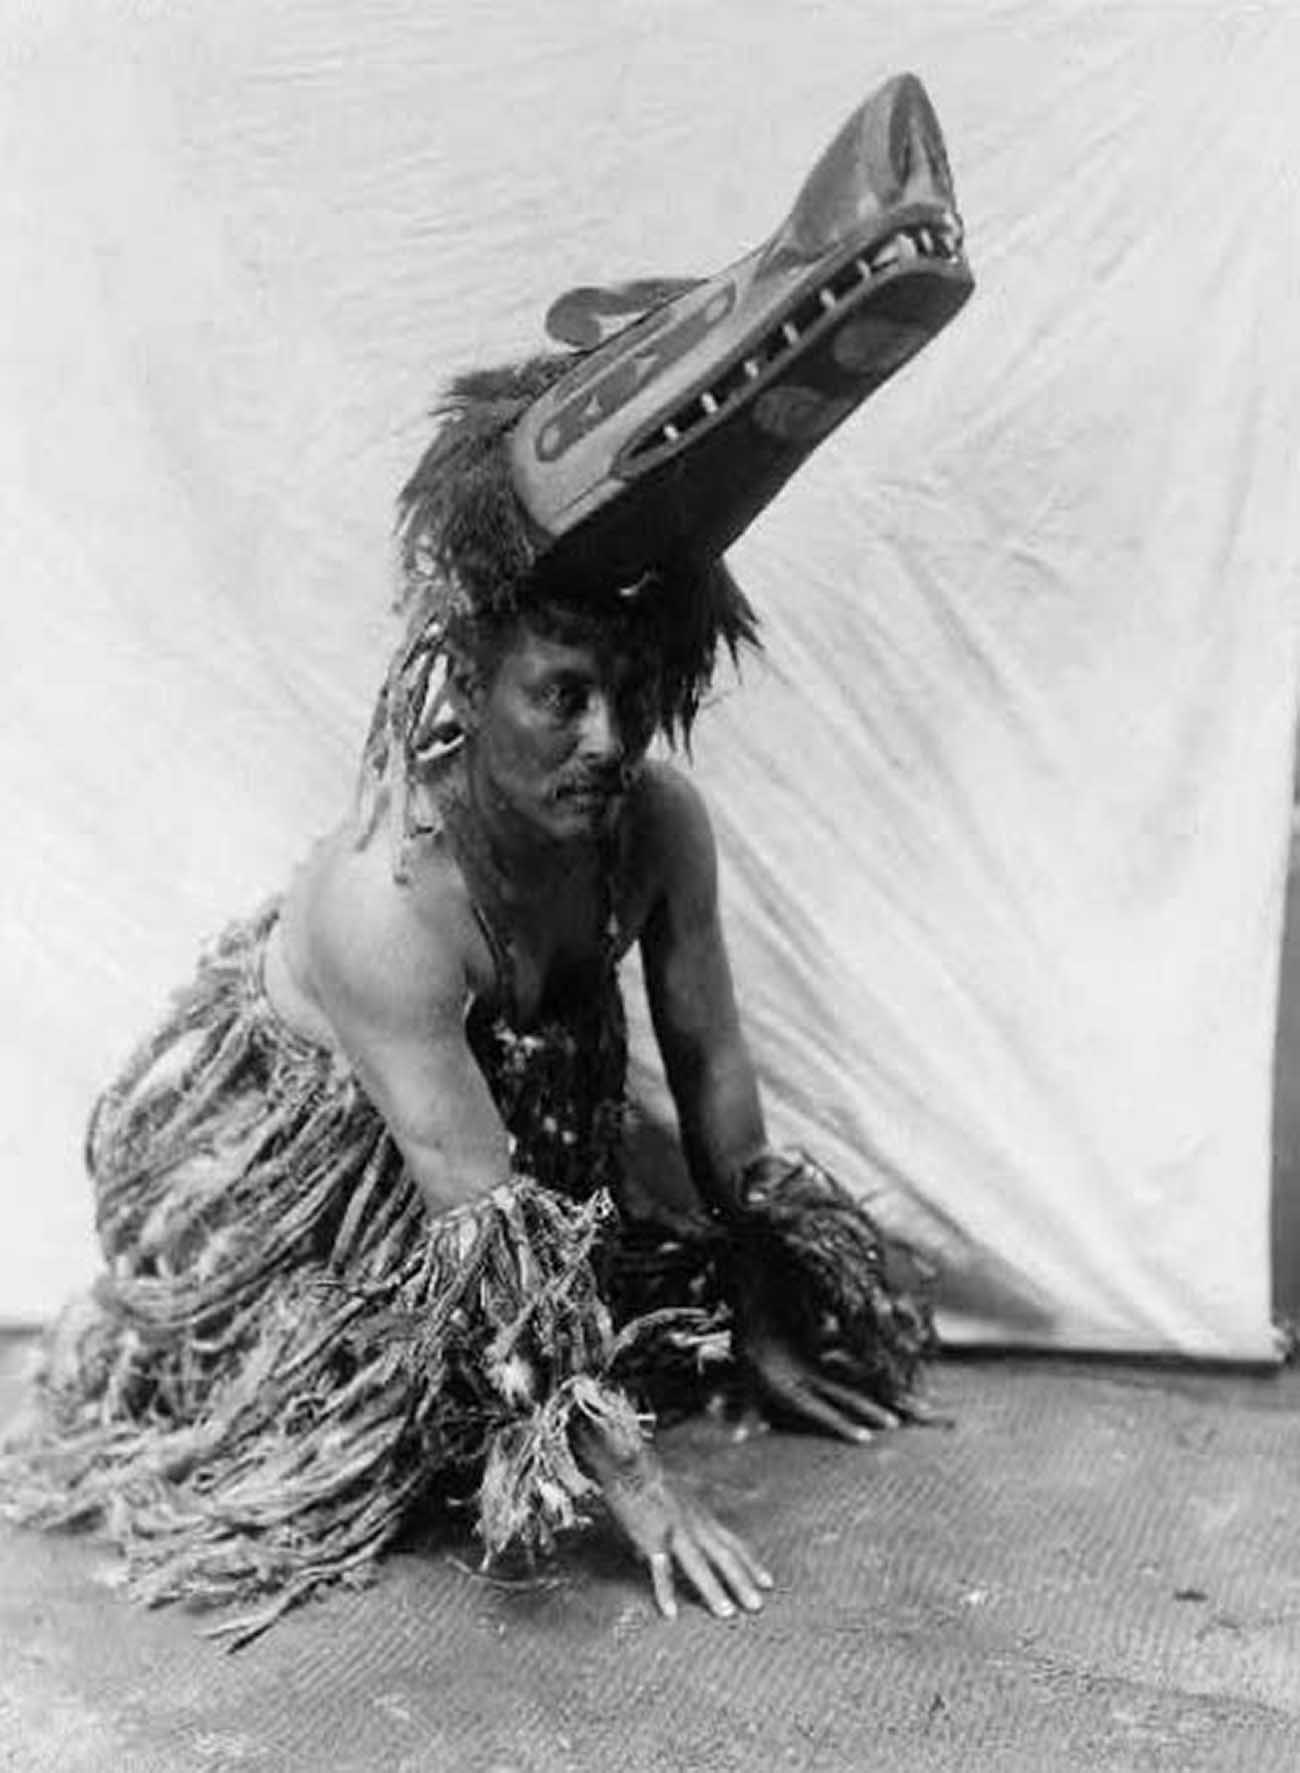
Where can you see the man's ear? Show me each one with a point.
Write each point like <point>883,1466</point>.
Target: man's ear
<point>465,692</point>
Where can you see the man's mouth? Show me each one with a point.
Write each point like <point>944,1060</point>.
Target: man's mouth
<point>592,792</point>
<point>589,793</point>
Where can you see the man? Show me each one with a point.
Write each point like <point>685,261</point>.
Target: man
<point>359,1194</point>
<point>553,823</point>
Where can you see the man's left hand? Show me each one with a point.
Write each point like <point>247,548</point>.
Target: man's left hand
<point>788,1384</point>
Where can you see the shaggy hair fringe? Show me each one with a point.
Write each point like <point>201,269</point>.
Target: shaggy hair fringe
<point>470,552</point>
<point>471,566</point>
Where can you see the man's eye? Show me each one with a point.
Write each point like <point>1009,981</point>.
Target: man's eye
<point>566,699</point>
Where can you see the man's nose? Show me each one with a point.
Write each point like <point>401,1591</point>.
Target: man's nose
<point>602,735</point>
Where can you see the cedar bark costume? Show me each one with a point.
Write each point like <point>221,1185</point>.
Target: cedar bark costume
<point>288,1354</point>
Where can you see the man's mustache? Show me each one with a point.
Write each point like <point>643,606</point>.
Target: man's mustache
<point>617,779</point>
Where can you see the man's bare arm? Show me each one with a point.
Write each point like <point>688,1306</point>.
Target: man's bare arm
<point>390,974</point>
<point>688,981</point>
<point>692,997</point>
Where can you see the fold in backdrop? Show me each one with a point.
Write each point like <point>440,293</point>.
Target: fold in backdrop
<point>1003,812</point>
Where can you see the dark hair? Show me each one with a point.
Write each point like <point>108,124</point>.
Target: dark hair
<point>470,552</point>
<point>470,555</point>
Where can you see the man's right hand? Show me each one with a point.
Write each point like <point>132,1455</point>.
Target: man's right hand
<point>674,1535</point>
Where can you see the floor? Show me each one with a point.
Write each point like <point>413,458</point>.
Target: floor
<point>1095,1567</point>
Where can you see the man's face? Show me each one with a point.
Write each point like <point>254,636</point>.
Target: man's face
<point>561,727</point>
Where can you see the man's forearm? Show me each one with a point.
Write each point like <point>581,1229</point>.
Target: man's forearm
<point>721,1119</point>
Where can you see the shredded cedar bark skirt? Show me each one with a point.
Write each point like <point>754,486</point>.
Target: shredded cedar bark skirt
<point>286,1354</point>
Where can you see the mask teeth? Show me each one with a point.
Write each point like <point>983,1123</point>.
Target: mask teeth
<point>939,240</point>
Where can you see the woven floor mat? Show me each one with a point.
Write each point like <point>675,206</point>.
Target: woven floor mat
<point>1096,1567</point>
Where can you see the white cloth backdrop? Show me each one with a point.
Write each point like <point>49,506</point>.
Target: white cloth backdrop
<point>1004,811</point>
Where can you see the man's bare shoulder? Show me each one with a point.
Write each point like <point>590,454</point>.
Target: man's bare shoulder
<point>667,805</point>
<point>367,942</point>
<point>670,831</point>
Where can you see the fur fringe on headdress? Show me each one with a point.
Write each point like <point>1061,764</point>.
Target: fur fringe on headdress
<point>468,547</point>
<point>472,558</point>
<point>472,562</point>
